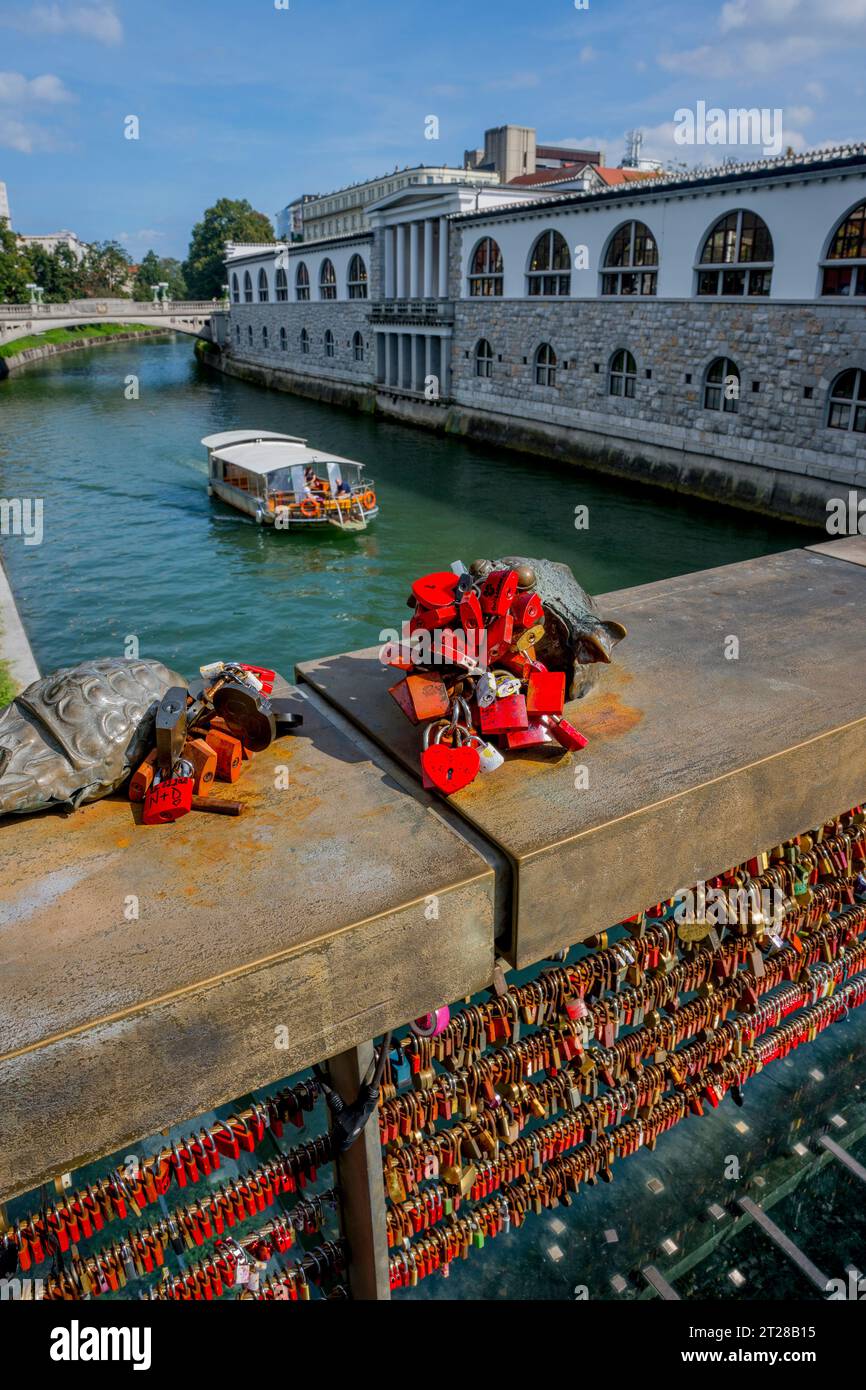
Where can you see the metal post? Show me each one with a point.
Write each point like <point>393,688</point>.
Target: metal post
<point>783,1243</point>
<point>361,1185</point>
<point>843,1156</point>
<point>657,1281</point>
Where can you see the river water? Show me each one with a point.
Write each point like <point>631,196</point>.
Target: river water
<point>133,545</point>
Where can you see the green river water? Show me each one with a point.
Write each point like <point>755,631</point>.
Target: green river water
<point>133,545</point>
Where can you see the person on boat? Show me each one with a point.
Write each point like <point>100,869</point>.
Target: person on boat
<point>343,489</point>
<point>314,482</point>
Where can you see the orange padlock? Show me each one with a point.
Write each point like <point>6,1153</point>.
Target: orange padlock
<point>204,765</point>
<point>421,697</point>
<point>229,754</point>
<point>141,780</point>
<point>218,723</point>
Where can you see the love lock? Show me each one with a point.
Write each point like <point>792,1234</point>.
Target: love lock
<point>432,1024</point>
<point>448,767</point>
<point>169,798</point>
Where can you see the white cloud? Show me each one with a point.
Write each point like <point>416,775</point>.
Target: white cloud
<point>18,96</point>
<point>17,89</point>
<point>96,21</point>
<point>761,37</point>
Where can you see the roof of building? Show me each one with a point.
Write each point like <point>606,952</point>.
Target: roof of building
<point>262,456</point>
<point>564,174</point>
<point>840,157</point>
<point>612,177</point>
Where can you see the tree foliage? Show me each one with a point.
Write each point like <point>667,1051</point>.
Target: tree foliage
<point>230,219</point>
<point>156,270</point>
<point>14,269</point>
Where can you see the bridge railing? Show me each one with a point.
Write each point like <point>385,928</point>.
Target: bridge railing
<point>88,308</point>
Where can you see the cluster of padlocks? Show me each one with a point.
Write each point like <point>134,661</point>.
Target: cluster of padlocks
<point>473,676</point>
<point>205,733</point>
<point>211,1213</point>
<point>516,1103</point>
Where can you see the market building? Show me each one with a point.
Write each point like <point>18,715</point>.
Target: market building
<point>705,332</point>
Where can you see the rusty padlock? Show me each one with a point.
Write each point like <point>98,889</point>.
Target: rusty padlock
<point>203,760</point>
<point>421,697</point>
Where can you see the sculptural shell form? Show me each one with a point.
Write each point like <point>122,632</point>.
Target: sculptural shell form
<point>576,638</point>
<point>77,734</point>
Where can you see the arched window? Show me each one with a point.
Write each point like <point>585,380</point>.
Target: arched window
<point>302,281</point>
<point>327,280</point>
<point>250,334</point>
<point>265,337</point>
<point>264,294</point>
<point>483,358</point>
<point>848,245</point>
<point>284,340</point>
<point>545,366</point>
<point>737,256</point>
<point>358,347</point>
<point>549,266</point>
<point>485,269</point>
<point>623,374</point>
<point>305,341</point>
<point>357,278</point>
<point>248,288</point>
<point>329,343</point>
<point>722,386</point>
<point>631,250</point>
<point>847,410</point>
<point>236,289</point>
<point>282,286</point>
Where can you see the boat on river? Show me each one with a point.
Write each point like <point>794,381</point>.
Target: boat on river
<point>280,481</point>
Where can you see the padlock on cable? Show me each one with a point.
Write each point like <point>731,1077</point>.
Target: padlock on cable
<point>169,798</point>
<point>432,1024</point>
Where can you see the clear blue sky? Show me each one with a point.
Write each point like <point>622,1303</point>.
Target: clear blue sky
<point>239,98</point>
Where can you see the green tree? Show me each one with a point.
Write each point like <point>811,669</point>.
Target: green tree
<point>14,267</point>
<point>155,270</point>
<point>105,270</point>
<point>58,272</point>
<point>230,219</point>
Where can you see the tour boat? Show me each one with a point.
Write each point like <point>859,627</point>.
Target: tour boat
<point>279,481</point>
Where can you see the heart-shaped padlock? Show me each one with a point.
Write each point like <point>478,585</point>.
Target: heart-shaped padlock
<point>450,769</point>
<point>435,590</point>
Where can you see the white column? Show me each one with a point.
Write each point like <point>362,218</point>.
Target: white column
<point>443,259</point>
<point>389,262</point>
<point>420,361</point>
<point>415,281</point>
<point>399,232</point>
<point>445,367</point>
<point>428,258</point>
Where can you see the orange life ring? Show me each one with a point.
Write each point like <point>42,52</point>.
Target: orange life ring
<point>368,501</point>
<point>310,508</point>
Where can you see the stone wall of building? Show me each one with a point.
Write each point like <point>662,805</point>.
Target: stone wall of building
<point>787,354</point>
<point>344,318</point>
<point>775,453</point>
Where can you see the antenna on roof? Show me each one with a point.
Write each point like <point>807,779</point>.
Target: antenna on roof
<point>633,144</point>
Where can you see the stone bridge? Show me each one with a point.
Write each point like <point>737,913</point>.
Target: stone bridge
<point>180,316</point>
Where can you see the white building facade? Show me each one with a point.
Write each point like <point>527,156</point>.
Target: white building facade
<point>707,333</point>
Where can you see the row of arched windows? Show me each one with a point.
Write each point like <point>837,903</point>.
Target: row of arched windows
<point>329,342</point>
<point>846,402</point>
<point>356,283</point>
<point>735,258</point>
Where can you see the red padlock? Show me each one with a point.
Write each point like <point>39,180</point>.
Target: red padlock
<point>503,715</point>
<point>471,616</point>
<point>528,610</point>
<point>261,673</point>
<point>535,733</point>
<point>564,733</point>
<point>498,592</point>
<point>433,617</point>
<point>499,635</point>
<point>545,693</point>
<point>435,590</point>
<point>167,801</point>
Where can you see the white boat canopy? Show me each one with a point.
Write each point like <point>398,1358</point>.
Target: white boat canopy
<point>229,437</point>
<point>263,456</point>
